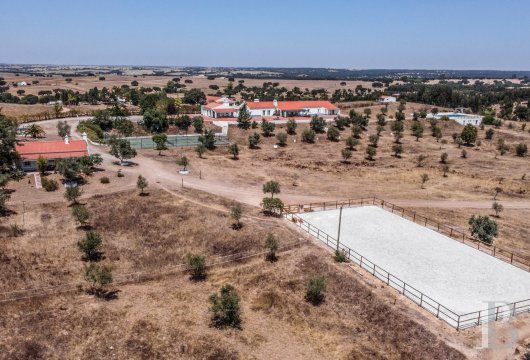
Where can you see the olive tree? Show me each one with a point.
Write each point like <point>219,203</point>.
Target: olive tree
<point>484,228</point>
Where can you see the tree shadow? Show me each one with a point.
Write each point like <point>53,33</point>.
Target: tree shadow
<point>143,194</point>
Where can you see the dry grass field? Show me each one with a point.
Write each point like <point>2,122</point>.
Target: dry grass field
<point>168,317</point>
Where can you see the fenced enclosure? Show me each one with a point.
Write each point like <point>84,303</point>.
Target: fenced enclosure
<point>146,142</point>
<point>457,319</point>
<point>450,231</point>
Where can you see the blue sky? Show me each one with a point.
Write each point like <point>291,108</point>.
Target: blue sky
<point>420,34</point>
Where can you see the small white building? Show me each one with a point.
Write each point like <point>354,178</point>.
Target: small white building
<point>387,99</point>
<point>461,118</point>
<point>22,83</point>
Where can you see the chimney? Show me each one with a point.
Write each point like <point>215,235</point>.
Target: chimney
<point>66,140</point>
<point>275,103</point>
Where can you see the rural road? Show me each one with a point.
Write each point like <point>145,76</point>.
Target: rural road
<point>158,173</point>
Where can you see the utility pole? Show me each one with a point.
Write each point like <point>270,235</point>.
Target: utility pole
<point>338,234</point>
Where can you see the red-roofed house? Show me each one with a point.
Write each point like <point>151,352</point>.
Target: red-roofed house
<point>29,151</point>
<point>271,108</point>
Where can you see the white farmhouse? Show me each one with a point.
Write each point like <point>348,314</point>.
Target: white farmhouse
<point>387,99</point>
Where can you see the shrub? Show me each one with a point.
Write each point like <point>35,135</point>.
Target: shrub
<point>469,134</point>
<point>315,290</point>
<point>464,153</point>
<point>373,140</point>
<point>236,212</point>
<point>497,207</point>
<point>420,160</point>
<point>234,150</point>
<point>370,153</point>
<point>340,256</point>
<point>141,183</point>
<point>281,137</point>
<point>120,174</point>
<point>291,127</point>
<point>208,139</point>
<point>200,150</point>
<point>333,134</point>
<point>351,142</point>
<point>267,127</point>
<point>272,205</point>
<point>444,157</point>
<point>317,124</point>
<point>346,154</point>
<point>308,136</point>
<point>424,178</point>
<point>15,230</point>
<point>104,180</point>
<point>484,228</point>
<point>49,184</point>
<point>397,149</point>
<point>99,277</point>
<point>196,265</point>
<point>90,246</point>
<point>80,214</point>
<point>489,134</point>
<point>225,308</point>
<point>271,243</point>
<point>521,150</point>
<point>254,140</point>
<point>73,194</point>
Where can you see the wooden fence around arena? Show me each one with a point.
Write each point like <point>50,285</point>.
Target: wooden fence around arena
<point>509,256</point>
<point>458,321</point>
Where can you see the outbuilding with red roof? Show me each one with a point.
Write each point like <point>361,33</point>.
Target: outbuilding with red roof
<point>29,151</point>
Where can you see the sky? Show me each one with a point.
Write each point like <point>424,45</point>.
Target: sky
<point>352,34</point>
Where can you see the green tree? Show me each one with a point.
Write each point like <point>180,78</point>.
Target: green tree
<point>155,121</point>
<point>196,265</point>
<point>80,214</point>
<point>397,149</point>
<point>42,164</point>
<point>316,287</point>
<point>271,243</point>
<point>308,136</point>
<point>99,278</point>
<point>63,129</point>
<point>281,137</point>
<point>244,118</point>
<point>8,154</point>
<point>381,120</point>
<point>254,140</point>
<point>122,150</point>
<point>194,97</point>
<point>72,194</point>
<point>124,126</point>
<point>272,205</point>
<point>34,131</point>
<point>469,134</point>
<point>141,183</point>
<point>351,142</point>
<point>208,139</point>
<point>484,228</point>
<point>333,133</point>
<point>200,149</point>
<point>346,155</point>
<point>399,116</point>
<point>234,150</point>
<point>397,128</point>
<point>497,207</point>
<point>267,127</point>
<point>225,308</point>
<point>272,187</point>
<point>4,196</point>
<point>373,140</point>
<point>90,246</point>
<point>160,140</point>
<point>184,162</point>
<point>356,131</point>
<point>198,124</point>
<point>370,153</point>
<point>291,127</point>
<point>489,134</point>
<point>317,124</point>
<point>417,130</point>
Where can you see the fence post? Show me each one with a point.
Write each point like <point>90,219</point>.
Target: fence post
<point>327,239</point>
<point>404,285</point>
<point>497,314</point>
<point>478,319</point>
<point>388,278</point>
<point>458,324</point>
<point>318,233</point>
<point>361,264</point>
<point>421,300</point>
<point>514,304</point>
<point>392,208</point>
<point>494,250</point>
<point>373,273</point>
<point>414,216</point>
<point>373,202</point>
<point>403,212</point>
<point>451,234</point>
<point>382,203</point>
<point>511,259</point>
<point>438,312</point>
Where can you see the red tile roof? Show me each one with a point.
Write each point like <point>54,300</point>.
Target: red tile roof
<point>292,105</point>
<point>31,150</point>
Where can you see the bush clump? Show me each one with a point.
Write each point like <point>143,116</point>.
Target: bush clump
<point>49,184</point>
<point>104,180</point>
<point>315,290</point>
<point>225,308</point>
<point>197,267</point>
